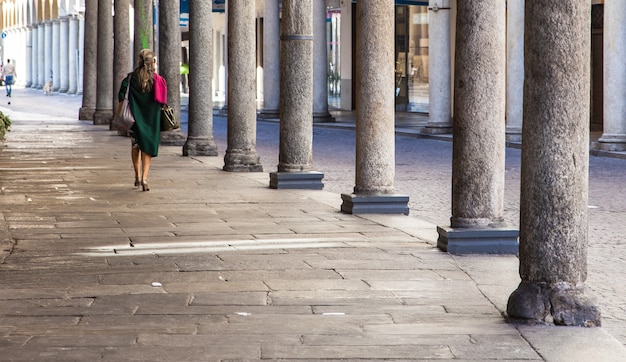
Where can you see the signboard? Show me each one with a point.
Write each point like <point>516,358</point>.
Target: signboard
<point>184,13</point>
<point>219,6</point>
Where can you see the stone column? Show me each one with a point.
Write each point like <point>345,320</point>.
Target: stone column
<point>48,54</point>
<point>271,60</point>
<point>614,134</point>
<point>121,48</point>
<point>439,69</point>
<point>34,56</point>
<point>144,31</point>
<point>56,54</point>
<point>514,69</point>
<point>320,64</point>
<point>200,141</point>
<point>104,91</point>
<point>555,163</point>
<point>41,52</point>
<point>347,31</point>
<point>90,59</point>
<point>81,56</point>
<point>169,63</point>
<point>296,108</point>
<point>375,113</point>
<point>73,63</point>
<point>478,152</point>
<point>241,152</point>
<point>64,66</point>
<point>28,66</point>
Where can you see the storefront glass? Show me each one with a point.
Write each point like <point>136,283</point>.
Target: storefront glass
<point>411,55</point>
<point>412,58</point>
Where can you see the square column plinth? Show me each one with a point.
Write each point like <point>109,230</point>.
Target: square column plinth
<point>375,204</point>
<point>478,241</point>
<point>297,180</point>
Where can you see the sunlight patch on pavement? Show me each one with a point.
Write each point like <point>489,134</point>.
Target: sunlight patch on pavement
<point>194,247</point>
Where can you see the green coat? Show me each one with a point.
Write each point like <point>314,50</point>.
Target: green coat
<point>147,113</point>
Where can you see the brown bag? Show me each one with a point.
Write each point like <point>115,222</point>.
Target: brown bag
<point>168,121</point>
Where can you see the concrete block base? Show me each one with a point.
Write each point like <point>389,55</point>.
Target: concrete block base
<point>268,114</point>
<point>297,180</point>
<point>323,117</point>
<point>435,130</point>
<point>478,241</point>
<point>375,204</point>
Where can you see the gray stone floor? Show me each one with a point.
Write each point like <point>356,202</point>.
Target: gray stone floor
<point>211,265</point>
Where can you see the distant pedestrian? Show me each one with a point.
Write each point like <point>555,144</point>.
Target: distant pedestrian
<point>9,73</point>
<point>146,132</point>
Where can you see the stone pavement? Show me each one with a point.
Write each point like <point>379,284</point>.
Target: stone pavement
<point>211,265</point>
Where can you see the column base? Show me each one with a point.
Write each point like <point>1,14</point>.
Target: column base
<point>200,147</point>
<point>322,117</point>
<point>297,180</point>
<point>102,117</point>
<point>268,114</point>
<point>242,161</point>
<point>609,146</point>
<point>513,137</point>
<point>433,129</point>
<point>173,138</point>
<point>561,304</point>
<point>86,113</point>
<point>478,241</point>
<point>375,204</point>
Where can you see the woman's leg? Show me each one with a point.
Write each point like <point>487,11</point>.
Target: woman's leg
<point>145,163</point>
<point>135,155</point>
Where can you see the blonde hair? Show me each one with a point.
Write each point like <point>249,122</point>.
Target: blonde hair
<point>145,69</point>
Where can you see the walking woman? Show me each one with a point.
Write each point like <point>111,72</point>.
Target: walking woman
<point>146,132</point>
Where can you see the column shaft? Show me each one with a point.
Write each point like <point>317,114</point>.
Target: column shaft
<point>375,112</point>
<point>34,56</point>
<point>200,141</point>
<point>271,60</point>
<point>479,134</point>
<point>56,54</point>
<point>64,66</point>
<point>144,32</point>
<point>169,60</point>
<point>104,91</point>
<point>28,65</point>
<point>439,69</point>
<point>121,47</point>
<point>514,69</point>
<point>320,64</point>
<point>614,135</point>
<point>41,53</point>
<point>296,126</point>
<point>555,162</point>
<point>73,61</point>
<point>90,58</point>
<point>241,152</point>
<point>48,51</point>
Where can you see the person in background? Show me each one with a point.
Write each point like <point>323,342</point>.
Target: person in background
<point>145,134</point>
<point>9,73</point>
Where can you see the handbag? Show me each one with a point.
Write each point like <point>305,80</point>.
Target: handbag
<point>124,120</point>
<point>168,121</point>
<point>160,89</point>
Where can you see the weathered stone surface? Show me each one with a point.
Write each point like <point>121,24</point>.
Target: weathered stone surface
<point>200,141</point>
<point>479,109</point>
<point>555,162</point>
<point>241,153</point>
